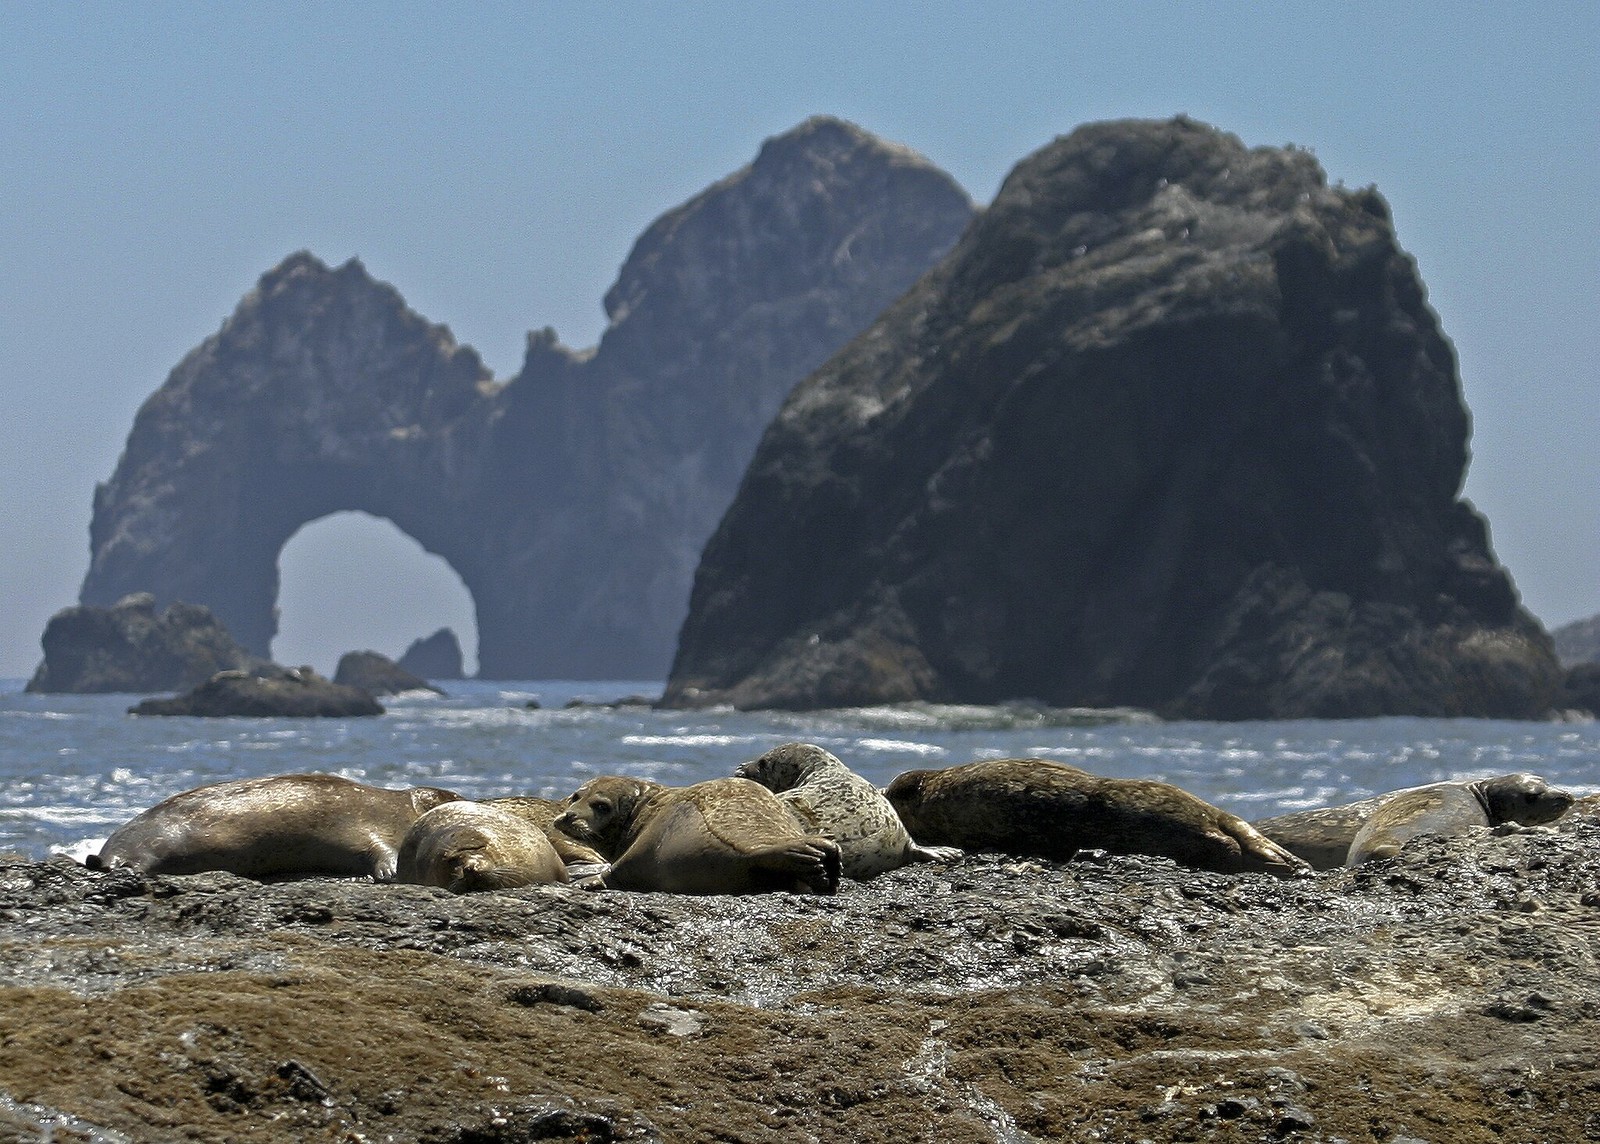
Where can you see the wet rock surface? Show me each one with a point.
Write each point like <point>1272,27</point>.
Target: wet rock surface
<point>1451,993</point>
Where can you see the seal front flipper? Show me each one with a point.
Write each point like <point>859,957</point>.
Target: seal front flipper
<point>810,864</point>
<point>916,852</point>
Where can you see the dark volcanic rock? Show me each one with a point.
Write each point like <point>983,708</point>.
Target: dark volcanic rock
<point>1173,427</point>
<point>377,674</point>
<point>1448,994</point>
<point>275,692</point>
<point>1581,689</point>
<point>436,657</point>
<point>1578,642</point>
<point>574,500</point>
<point>130,647</point>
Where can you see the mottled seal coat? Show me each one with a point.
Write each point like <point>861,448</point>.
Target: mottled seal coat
<point>828,798</point>
<point>468,846</point>
<point>723,836</point>
<point>542,812</point>
<point>283,826</point>
<point>1050,810</point>
<point>1453,808</point>
<point>1321,836</point>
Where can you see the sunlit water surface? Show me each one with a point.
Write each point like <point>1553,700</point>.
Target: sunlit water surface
<point>74,767</point>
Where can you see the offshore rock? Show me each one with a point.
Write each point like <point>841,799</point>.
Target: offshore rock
<point>573,501</point>
<point>377,674</point>
<point>1173,427</point>
<point>1578,642</point>
<point>1450,993</point>
<point>436,657</point>
<point>129,646</point>
<point>268,692</point>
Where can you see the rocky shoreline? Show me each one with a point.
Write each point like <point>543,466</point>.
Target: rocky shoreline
<point>1451,993</point>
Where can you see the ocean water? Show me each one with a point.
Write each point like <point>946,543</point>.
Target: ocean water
<point>75,767</point>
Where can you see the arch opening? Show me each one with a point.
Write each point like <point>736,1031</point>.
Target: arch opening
<point>351,581</point>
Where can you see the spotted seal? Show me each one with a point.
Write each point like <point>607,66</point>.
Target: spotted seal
<point>470,846</point>
<point>1046,809</point>
<point>282,826</point>
<point>722,836</point>
<point>1453,808</point>
<point>828,798</point>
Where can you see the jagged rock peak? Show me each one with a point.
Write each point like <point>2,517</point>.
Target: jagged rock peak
<point>1172,427</point>
<point>741,223</point>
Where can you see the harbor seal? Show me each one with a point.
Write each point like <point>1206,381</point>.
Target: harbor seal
<point>1452,809</point>
<point>469,846</point>
<point>1321,836</point>
<point>722,836</point>
<point>828,798</point>
<point>1045,809</point>
<point>282,826</point>
<point>579,859</point>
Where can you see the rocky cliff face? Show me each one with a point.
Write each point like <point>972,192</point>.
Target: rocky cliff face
<point>573,500</point>
<point>1173,426</point>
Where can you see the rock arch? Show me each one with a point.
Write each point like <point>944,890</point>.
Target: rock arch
<point>350,582</point>
<point>573,500</point>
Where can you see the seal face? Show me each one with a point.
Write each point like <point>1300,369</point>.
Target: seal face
<point>469,846</point>
<point>1454,808</point>
<point>1045,809</point>
<point>283,826</point>
<point>828,798</point>
<point>723,836</point>
<point>542,812</point>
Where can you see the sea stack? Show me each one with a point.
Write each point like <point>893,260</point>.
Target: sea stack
<point>1172,427</point>
<point>573,500</point>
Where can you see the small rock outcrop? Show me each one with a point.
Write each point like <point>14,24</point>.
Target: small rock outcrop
<point>573,500</point>
<point>1173,427</point>
<point>1578,642</point>
<point>270,692</point>
<point>436,657</point>
<point>129,646</point>
<point>377,674</point>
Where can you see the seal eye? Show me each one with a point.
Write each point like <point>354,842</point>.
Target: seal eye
<point>601,806</point>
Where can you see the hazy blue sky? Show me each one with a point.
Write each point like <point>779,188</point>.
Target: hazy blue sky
<point>496,161</point>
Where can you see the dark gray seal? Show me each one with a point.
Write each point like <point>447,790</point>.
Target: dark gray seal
<point>1045,809</point>
<point>723,836</point>
<point>469,846</point>
<point>828,798</point>
<point>283,826</point>
<point>1452,809</point>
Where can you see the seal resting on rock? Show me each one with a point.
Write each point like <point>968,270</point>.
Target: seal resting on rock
<point>1454,808</point>
<point>283,826</point>
<point>542,812</point>
<point>1045,809</point>
<point>470,846</point>
<point>723,836</point>
<point>828,798</point>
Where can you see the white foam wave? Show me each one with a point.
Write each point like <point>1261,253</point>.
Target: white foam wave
<point>901,747</point>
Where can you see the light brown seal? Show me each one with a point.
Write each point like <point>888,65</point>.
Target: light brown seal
<point>1452,809</point>
<point>468,846</point>
<point>828,798</point>
<point>542,812</point>
<point>723,836</point>
<point>282,826</point>
<point>1045,809</point>
<point>1322,835</point>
